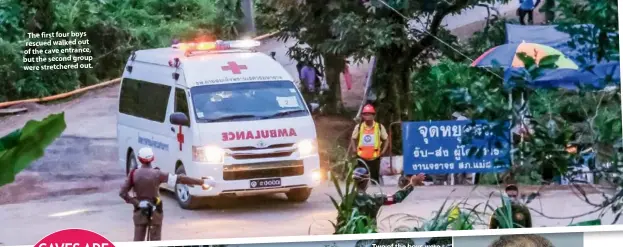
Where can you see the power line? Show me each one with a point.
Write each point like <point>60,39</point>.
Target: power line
<point>437,38</point>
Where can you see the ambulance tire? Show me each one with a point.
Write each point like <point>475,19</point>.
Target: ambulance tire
<point>182,194</point>
<point>299,194</point>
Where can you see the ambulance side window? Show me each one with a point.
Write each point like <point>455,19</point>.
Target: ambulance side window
<point>181,102</point>
<point>144,99</point>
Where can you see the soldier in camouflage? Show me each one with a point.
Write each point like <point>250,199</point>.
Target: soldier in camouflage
<point>370,204</point>
<point>521,214</point>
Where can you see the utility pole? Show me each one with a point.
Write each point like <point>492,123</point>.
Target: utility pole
<point>249,20</point>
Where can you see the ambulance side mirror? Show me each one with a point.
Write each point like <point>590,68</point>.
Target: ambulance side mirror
<point>179,118</point>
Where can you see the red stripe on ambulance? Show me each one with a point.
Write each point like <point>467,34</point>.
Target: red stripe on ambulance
<point>258,134</point>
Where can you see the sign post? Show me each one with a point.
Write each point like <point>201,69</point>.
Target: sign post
<point>443,147</point>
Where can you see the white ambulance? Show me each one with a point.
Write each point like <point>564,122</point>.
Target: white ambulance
<point>219,111</point>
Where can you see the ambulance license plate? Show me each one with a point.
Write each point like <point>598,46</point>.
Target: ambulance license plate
<point>265,183</point>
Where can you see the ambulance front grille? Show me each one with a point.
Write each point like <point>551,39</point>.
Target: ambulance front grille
<point>262,156</point>
<point>263,170</point>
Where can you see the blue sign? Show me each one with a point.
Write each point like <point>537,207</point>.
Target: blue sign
<point>443,147</point>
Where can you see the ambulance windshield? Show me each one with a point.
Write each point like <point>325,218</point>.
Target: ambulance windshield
<point>247,101</point>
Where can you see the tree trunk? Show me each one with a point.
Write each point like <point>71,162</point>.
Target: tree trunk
<point>334,65</point>
<point>391,79</point>
<point>248,23</point>
<point>408,95</point>
<point>548,9</point>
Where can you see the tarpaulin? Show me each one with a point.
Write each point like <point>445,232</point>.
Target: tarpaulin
<point>596,75</point>
<point>548,35</point>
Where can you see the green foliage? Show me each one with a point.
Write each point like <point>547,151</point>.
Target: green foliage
<point>349,220</point>
<point>558,119</point>
<point>22,147</point>
<point>114,29</point>
<point>504,214</point>
<point>600,38</point>
<point>453,217</point>
<point>555,118</point>
<point>338,29</point>
<point>549,8</point>
<point>450,86</point>
<point>481,41</point>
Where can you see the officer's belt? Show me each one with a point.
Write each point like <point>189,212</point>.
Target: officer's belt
<point>155,201</point>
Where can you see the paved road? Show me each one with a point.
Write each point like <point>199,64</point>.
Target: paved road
<point>264,216</point>
<point>74,186</point>
<point>477,14</point>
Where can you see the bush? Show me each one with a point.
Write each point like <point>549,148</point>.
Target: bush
<point>114,29</point>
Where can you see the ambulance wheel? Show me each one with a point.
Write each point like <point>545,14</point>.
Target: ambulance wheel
<point>182,193</point>
<point>299,195</point>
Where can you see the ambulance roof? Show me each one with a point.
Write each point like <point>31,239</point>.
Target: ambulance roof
<point>217,67</point>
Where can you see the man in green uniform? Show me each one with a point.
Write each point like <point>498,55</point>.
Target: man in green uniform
<point>370,204</point>
<point>521,217</point>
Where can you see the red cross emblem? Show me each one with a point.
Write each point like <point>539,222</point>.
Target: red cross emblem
<point>234,67</point>
<point>180,137</point>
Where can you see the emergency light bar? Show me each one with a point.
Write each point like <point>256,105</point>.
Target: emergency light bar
<point>216,46</point>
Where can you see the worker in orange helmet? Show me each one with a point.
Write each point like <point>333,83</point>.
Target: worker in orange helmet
<point>369,142</point>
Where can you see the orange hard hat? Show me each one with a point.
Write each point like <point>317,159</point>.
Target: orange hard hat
<point>368,109</point>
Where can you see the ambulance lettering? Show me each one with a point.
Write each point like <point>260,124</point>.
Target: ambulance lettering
<point>153,143</point>
<point>258,134</point>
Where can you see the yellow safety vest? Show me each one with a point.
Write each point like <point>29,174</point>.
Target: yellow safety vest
<point>369,141</point>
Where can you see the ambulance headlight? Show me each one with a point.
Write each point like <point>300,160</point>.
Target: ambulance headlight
<point>307,147</point>
<point>209,154</point>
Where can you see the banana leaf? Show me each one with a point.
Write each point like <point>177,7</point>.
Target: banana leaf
<point>10,140</point>
<point>454,214</point>
<point>596,222</point>
<point>22,147</point>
